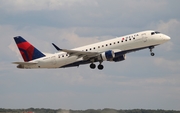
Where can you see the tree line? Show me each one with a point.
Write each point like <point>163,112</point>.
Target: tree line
<point>106,110</point>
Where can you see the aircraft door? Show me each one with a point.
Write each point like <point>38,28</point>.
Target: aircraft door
<point>144,37</point>
<point>53,58</point>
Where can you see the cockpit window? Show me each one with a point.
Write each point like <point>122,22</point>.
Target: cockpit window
<point>152,33</point>
<point>156,32</point>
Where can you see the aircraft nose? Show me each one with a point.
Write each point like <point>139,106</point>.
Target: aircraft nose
<point>167,38</point>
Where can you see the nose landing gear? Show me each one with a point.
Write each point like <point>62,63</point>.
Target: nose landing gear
<point>152,47</point>
<point>152,54</point>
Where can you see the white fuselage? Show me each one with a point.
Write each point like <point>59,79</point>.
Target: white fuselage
<point>134,41</point>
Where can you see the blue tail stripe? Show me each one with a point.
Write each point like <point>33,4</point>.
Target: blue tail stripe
<point>19,39</point>
<point>37,54</point>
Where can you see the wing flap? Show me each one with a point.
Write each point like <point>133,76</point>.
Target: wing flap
<point>75,52</point>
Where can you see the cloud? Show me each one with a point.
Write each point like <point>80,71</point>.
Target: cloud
<point>168,27</point>
<point>74,40</point>
<point>168,64</point>
<point>20,5</point>
<point>42,37</point>
<point>140,81</point>
<point>82,13</point>
<point>34,5</point>
<point>153,81</point>
<point>14,48</point>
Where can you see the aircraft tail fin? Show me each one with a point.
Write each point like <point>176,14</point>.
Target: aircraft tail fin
<point>27,50</point>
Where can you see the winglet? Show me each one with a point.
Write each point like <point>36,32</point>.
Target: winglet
<point>56,47</point>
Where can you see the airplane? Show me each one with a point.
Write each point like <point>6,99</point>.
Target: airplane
<point>113,50</point>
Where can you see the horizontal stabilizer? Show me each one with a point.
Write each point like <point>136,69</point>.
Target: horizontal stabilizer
<point>25,63</point>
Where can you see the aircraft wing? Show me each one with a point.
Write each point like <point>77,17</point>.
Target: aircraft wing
<point>84,54</point>
<point>25,63</point>
<point>75,52</point>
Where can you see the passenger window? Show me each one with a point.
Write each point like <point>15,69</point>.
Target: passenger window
<point>110,44</point>
<point>90,49</point>
<point>102,45</point>
<point>98,46</point>
<point>86,50</point>
<point>114,42</point>
<point>94,48</point>
<point>106,44</point>
<point>118,42</point>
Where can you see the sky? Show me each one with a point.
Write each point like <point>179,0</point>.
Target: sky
<point>139,82</point>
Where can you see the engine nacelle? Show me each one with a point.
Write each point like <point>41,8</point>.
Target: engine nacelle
<point>108,55</point>
<point>120,58</point>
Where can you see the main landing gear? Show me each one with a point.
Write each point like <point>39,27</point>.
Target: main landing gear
<point>93,66</point>
<point>152,47</point>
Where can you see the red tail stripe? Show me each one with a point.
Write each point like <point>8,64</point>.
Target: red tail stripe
<point>24,45</point>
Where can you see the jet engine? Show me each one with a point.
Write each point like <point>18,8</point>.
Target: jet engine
<point>119,58</point>
<point>108,55</point>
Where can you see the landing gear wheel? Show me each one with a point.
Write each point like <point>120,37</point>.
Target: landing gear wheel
<point>92,66</point>
<point>152,54</point>
<point>100,67</point>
